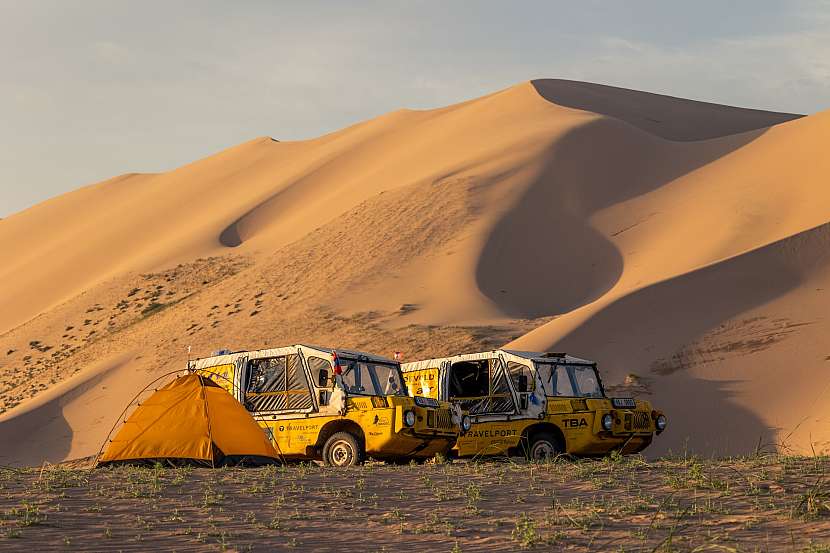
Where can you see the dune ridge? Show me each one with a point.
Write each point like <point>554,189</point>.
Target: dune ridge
<point>681,244</point>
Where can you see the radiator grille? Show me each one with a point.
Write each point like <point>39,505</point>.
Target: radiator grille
<point>641,421</point>
<point>444,419</point>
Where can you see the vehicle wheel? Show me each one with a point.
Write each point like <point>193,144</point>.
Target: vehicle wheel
<point>342,450</point>
<point>544,446</point>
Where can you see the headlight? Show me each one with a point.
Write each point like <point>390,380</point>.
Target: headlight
<point>660,423</point>
<point>466,423</point>
<point>607,421</point>
<point>409,418</point>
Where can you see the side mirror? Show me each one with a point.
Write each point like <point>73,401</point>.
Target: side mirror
<point>521,382</point>
<point>323,378</point>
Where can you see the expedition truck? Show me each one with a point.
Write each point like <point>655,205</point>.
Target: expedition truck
<point>335,405</point>
<point>534,404</point>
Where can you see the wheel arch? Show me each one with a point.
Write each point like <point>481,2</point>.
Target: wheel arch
<point>340,425</point>
<point>539,428</point>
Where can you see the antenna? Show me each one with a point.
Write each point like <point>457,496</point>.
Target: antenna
<point>188,356</point>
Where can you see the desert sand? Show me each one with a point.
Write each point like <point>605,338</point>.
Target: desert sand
<point>764,503</point>
<point>682,245</point>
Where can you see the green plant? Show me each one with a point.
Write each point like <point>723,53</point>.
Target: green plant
<point>525,531</point>
<point>814,502</point>
<point>473,492</point>
<point>211,498</point>
<point>28,515</point>
<point>615,457</point>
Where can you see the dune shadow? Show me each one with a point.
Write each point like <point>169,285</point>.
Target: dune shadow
<point>39,435</point>
<point>665,116</point>
<point>543,257</point>
<point>43,432</point>
<point>229,237</point>
<point>668,315</point>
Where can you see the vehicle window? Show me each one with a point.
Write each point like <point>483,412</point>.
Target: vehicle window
<point>481,386</point>
<point>296,387</point>
<point>277,383</point>
<point>521,376</point>
<point>561,384</point>
<point>389,380</point>
<point>373,379</point>
<point>586,381</point>
<point>266,375</point>
<point>569,380</point>
<point>501,397</point>
<point>469,379</point>
<point>356,377</point>
<point>318,365</point>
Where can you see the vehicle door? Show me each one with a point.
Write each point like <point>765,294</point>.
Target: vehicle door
<point>277,388</point>
<point>444,381</point>
<point>523,382</point>
<point>239,371</point>
<point>322,376</point>
<point>482,387</point>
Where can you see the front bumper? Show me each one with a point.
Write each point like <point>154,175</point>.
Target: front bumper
<point>433,432</point>
<point>604,443</point>
<point>411,445</point>
<point>632,431</point>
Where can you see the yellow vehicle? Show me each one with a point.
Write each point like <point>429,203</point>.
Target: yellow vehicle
<point>534,404</point>
<point>338,406</point>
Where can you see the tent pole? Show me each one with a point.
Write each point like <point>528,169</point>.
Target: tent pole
<point>207,417</point>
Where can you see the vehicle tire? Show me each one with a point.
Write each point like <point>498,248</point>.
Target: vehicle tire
<point>543,446</point>
<point>342,450</point>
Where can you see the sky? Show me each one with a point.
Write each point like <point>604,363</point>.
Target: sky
<point>95,88</point>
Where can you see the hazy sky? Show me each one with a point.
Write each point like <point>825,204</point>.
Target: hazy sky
<point>92,89</point>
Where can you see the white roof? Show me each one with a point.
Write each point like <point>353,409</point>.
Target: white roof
<point>539,356</point>
<point>350,353</point>
<point>285,350</point>
<point>546,356</point>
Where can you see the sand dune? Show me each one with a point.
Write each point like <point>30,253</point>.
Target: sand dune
<point>678,241</point>
<point>665,116</point>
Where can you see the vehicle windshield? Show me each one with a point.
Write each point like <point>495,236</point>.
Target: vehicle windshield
<point>566,380</point>
<point>372,378</point>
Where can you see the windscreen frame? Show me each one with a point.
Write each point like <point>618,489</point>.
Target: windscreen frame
<point>574,386</point>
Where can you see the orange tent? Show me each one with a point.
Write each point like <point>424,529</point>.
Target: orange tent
<point>193,419</point>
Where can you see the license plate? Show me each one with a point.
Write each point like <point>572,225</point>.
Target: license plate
<point>624,403</point>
